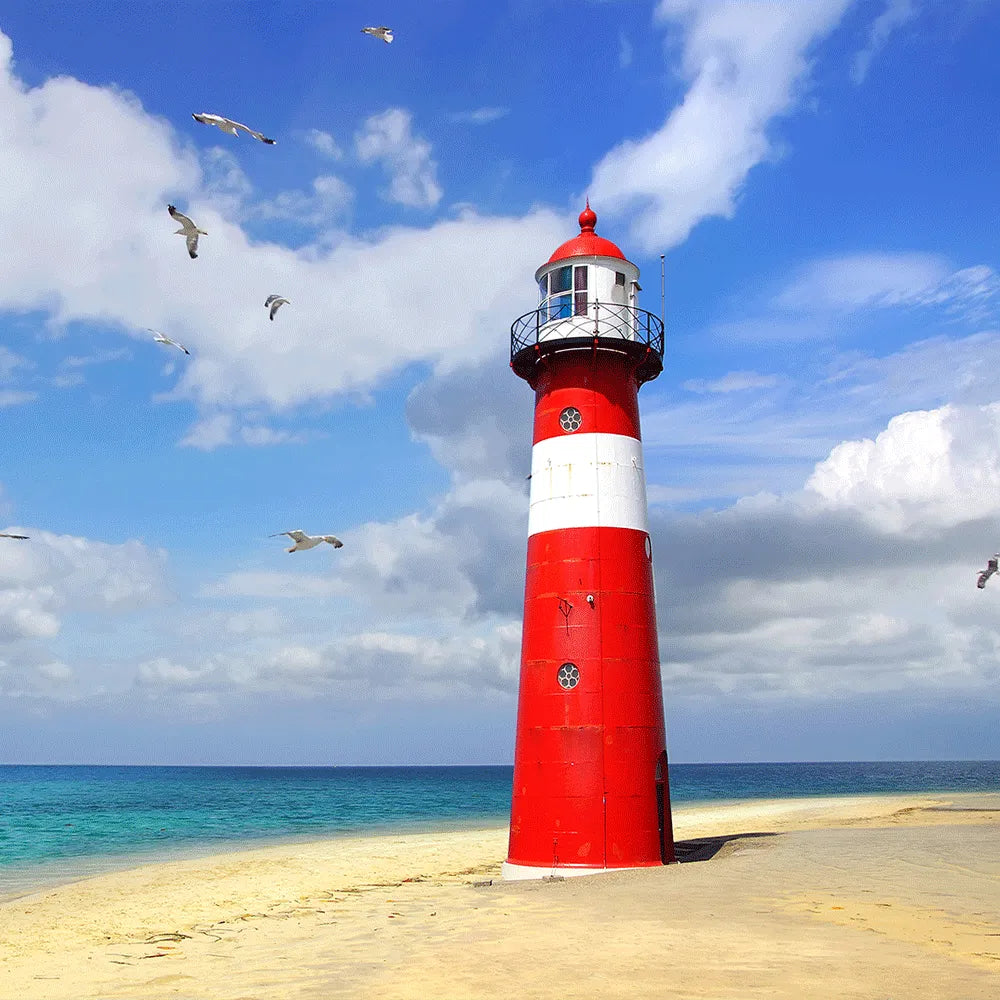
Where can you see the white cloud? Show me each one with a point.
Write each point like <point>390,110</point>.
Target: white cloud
<point>732,382</point>
<point>873,280</point>
<point>388,138</point>
<point>98,358</point>
<point>10,362</point>
<point>324,143</point>
<point>224,181</point>
<point>746,64</point>
<point>895,14</point>
<point>927,470</point>
<point>210,432</point>
<point>625,53</point>
<point>50,576</point>
<point>14,397</point>
<point>369,665</point>
<point>271,585</point>
<point>219,429</point>
<point>814,304</point>
<point>479,116</point>
<point>327,203</point>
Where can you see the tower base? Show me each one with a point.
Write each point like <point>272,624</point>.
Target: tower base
<point>510,872</point>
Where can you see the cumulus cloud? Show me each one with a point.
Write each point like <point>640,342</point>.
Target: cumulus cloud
<point>388,138</point>
<point>746,65</point>
<point>925,471</point>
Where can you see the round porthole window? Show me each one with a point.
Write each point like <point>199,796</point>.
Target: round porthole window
<point>570,419</point>
<point>568,676</point>
<point>649,549</point>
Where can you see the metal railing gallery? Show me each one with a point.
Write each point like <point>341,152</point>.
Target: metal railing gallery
<point>558,322</point>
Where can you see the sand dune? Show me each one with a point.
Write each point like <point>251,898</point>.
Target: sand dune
<point>861,897</point>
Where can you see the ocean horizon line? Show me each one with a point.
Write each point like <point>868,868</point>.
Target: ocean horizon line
<point>509,764</point>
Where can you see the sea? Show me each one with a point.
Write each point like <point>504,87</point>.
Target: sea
<point>62,823</point>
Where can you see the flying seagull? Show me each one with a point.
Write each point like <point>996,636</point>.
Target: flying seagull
<point>380,32</point>
<point>304,541</point>
<point>188,230</point>
<point>230,127</point>
<point>161,339</point>
<point>275,302</point>
<point>6,534</point>
<point>991,568</point>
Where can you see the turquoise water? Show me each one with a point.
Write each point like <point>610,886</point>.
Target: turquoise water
<point>61,822</point>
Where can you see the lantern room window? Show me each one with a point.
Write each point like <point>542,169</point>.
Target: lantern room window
<point>563,293</point>
<point>579,291</point>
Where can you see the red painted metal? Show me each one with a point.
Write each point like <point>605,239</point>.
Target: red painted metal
<point>600,384</point>
<point>588,243</point>
<point>590,785</point>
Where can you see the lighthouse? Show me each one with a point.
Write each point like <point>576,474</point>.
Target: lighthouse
<point>590,791</point>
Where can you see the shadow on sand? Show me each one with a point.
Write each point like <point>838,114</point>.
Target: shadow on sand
<point>706,848</point>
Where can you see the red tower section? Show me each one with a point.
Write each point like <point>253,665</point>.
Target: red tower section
<point>591,790</point>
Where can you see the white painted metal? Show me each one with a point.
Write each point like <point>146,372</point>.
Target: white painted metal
<point>587,481</point>
<point>510,872</point>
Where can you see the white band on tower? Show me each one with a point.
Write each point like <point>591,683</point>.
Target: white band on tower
<point>587,481</point>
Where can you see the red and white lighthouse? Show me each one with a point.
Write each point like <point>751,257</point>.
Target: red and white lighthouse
<point>590,764</point>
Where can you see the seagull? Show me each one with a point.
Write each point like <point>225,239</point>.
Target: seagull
<point>6,534</point>
<point>991,568</point>
<point>230,127</point>
<point>275,302</point>
<point>188,230</point>
<point>380,32</point>
<point>161,339</point>
<point>304,541</point>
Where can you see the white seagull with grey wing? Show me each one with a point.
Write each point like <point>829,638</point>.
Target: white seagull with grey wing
<point>991,568</point>
<point>304,541</point>
<point>188,230</point>
<point>162,339</point>
<point>274,303</point>
<point>7,534</point>
<point>380,32</point>
<point>230,127</point>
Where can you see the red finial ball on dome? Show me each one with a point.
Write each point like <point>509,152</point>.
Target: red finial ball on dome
<point>587,243</point>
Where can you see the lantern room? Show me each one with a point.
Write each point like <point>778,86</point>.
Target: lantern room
<point>583,273</point>
<point>588,297</point>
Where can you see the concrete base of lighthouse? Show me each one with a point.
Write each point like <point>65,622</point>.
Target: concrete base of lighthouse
<point>522,873</point>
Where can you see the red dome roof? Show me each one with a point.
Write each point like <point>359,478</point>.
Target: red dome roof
<point>588,243</point>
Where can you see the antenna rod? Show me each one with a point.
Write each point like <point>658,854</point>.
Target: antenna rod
<point>663,289</point>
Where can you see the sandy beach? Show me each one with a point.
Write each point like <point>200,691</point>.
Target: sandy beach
<point>874,897</point>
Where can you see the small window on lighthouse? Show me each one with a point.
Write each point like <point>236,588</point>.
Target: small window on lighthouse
<point>619,278</point>
<point>571,419</point>
<point>568,676</point>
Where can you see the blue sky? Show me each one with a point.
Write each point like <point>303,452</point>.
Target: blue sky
<point>822,449</point>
